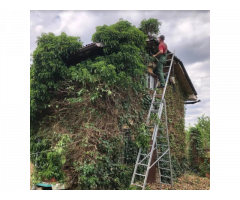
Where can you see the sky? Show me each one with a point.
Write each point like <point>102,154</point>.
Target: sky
<point>186,32</point>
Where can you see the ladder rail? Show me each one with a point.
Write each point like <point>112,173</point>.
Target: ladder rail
<point>165,87</point>
<point>153,99</point>
<point>159,158</point>
<point>150,159</point>
<point>145,157</point>
<point>135,169</point>
<point>159,172</point>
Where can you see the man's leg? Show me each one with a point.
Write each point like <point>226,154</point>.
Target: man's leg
<point>159,73</point>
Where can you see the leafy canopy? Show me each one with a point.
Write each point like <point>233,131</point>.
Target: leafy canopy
<point>124,43</point>
<point>150,27</point>
<point>49,67</point>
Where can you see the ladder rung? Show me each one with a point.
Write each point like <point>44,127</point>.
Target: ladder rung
<point>157,102</point>
<point>165,183</point>
<point>169,60</point>
<point>169,54</point>
<point>142,164</point>
<point>154,111</point>
<point>140,174</point>
<point>166,176</point>
<point>165,169</point>
<point>166,66</point>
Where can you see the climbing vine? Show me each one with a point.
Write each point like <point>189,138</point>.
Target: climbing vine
<point>196,148</point>
<point>175,98</point>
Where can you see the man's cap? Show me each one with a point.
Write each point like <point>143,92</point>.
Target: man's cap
<point>162,37</point>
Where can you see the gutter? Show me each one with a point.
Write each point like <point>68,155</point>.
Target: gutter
<point>191,102</point>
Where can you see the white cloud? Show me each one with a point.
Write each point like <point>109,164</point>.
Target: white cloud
<point>39,28</point>
<point>199,73</point>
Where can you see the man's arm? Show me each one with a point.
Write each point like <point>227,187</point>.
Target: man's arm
<point>160,52</point>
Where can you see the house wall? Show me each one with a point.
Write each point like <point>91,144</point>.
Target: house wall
<point>176,126</point>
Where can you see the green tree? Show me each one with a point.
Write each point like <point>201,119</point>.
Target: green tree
<point>49,67</point>
<point>198,140</point>
<point>150,27</point>
<point>196,147</point>
<point>124,46</point>
<point>203,124</point>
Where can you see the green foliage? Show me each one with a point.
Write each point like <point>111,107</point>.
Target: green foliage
<point>154,119</point>
<point>196,147</point>
<point>150,27</point>
<point>123,43</point>
<point>49,68</point>
<point>198,138</point>
<point>49,164</point>
<point>205,167</point>
<point>104,172</point>
<point>144,137</point>
<point>176,128</point>
<point>203,125</point>
<point>146,100</point>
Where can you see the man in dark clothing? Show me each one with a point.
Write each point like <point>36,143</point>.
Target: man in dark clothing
<point>162,60</point>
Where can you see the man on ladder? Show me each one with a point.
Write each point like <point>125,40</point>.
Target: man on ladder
<point>162,60</point>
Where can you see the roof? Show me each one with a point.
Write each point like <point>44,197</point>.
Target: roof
<point>85,52</point>
<point>185,73</point>
<point>90,46</point>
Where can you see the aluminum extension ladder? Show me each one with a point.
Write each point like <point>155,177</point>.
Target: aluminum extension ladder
<point>144,159</point>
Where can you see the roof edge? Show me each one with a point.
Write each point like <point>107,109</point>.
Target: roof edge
<point>185,73</point>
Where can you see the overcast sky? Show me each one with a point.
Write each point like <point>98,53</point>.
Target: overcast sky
<point>186,32</point>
